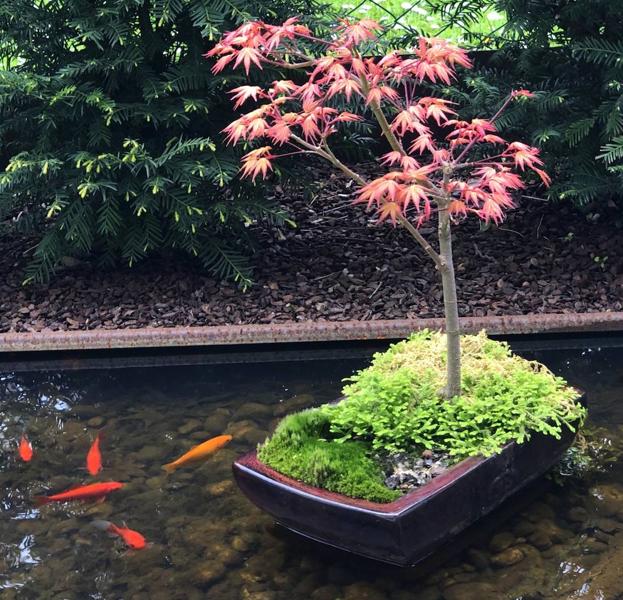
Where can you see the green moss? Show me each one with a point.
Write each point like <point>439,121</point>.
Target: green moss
<point>300,449</point>
<point>395,405</point>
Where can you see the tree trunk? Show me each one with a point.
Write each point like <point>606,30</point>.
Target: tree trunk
<point>451,309</point>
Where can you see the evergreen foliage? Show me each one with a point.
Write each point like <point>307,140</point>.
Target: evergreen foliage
<point>571,54</point>
<point>109,131</point>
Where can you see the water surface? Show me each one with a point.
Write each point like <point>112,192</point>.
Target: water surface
<point>563,538</point>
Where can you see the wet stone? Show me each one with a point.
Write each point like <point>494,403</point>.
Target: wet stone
<point>577,514</point>
<point>594,547</point>
<point>540,540</point>
<point>189,426</point>
<point>258,595</point>
<point>227,555</point>
<point>608,499</point>
<point>285,580</point>
<point>96,422</point>
<point>541,510</point>
<point>156,483</point>
<point>253,410</point>
<point>237,429</point>
<point>219,488</point>
<point>266,563</point>
<point>148,453</point>
<point>507,558</point>
<point>608,525</point>
<point>427,593</point>
<point>478,558</point>
<point>293,404</point>
<point>602,536</point>
<point>100,510</point>
<point>73,429</point>
<point>85,411</point>
<point>363,591</point>
<point>326,592</point>
<point>470,591</point>
<point>524,528</point>
<point>217,422</point>
<point>307,584</point>
<point>209,572</point>
<point>243,542</point>
<point>501,541</point>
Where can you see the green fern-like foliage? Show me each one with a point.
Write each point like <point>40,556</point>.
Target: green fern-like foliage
<point>109,131</point>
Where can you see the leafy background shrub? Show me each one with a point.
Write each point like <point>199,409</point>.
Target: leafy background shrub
<point>109,121</point>
<point>571,53</point>
<point>109,116</point>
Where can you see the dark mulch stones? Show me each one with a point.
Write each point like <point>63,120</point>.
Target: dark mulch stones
<point>405,472</point>
<point>339,265</point>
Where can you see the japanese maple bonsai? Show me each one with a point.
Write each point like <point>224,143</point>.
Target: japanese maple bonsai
<point>439,166</point>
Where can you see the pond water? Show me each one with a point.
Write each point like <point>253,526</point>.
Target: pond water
<point>563,538</point>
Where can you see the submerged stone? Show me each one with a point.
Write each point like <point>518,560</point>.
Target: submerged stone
<point>470,591</point>
<point>217,422</point>
<point>219,488</point>
<point>209,572</point>
<point>253,410</point>
<point>96,422</point>
<point>507,558</point>
<point>189,426</point>
<point>363,591</point>
<point>501,541</point>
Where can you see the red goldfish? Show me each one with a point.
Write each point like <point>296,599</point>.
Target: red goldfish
<point>94,457</point>
<point>25,449</point>
<point>93,491</point>
<point>198,453</point>
<point>133,539</point>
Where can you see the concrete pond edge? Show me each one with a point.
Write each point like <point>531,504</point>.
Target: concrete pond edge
<point>307,331</point>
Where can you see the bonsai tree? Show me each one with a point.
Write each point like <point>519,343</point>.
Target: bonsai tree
<point>438,167</point>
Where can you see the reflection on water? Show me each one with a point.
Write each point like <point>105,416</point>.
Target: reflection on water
<point>563,538</point>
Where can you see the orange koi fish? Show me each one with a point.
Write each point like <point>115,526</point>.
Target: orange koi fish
<point>133,539</point>
<point>198,453</point>
<point>25,449</point>
<point>94,457</point>
<point>93,491</point>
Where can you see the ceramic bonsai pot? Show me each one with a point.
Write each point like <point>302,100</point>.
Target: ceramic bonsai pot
<point>409,529</point>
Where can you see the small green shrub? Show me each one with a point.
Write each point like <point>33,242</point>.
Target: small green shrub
<point>396,405</point>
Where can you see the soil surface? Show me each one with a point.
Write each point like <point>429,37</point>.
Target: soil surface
<point>339,265</point>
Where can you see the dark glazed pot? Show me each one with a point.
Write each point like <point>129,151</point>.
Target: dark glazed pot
<point>407,530</point>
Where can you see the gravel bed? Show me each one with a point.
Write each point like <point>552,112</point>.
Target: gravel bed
<point>338,265</point>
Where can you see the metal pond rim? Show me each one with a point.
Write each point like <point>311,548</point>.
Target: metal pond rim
<point>305,332</point>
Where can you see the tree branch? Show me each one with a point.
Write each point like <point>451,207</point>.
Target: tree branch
<point>394,142</point>
<point>327,154</point>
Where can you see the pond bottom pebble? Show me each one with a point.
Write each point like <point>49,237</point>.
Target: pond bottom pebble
<point>562,538</point>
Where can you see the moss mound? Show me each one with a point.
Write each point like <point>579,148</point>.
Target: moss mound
<point>395,405</point>
<point>302,448</point>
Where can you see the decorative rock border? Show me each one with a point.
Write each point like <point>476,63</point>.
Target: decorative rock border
<point>310,331</point>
